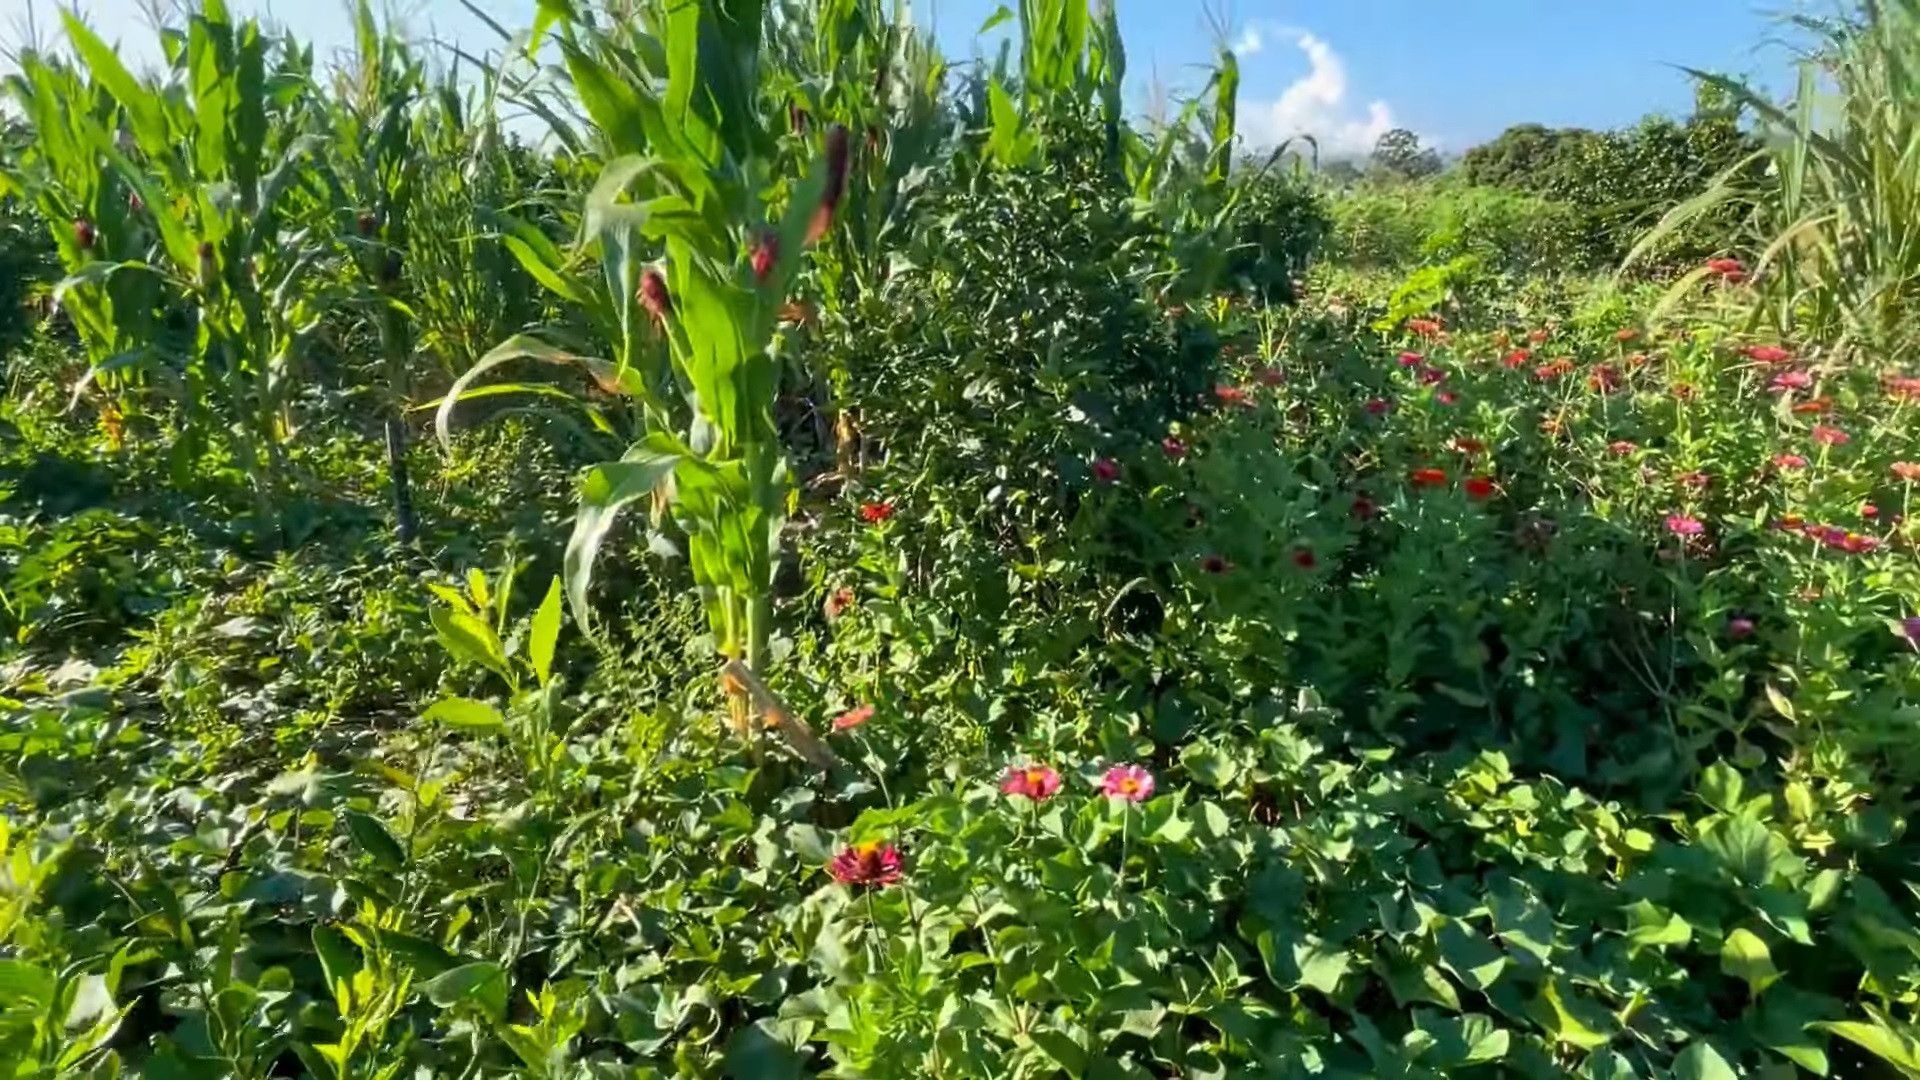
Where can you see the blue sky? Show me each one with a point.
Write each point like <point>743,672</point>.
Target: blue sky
<point>1457,71</point>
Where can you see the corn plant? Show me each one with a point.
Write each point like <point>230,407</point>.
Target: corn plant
<point>375,191</point>
<point>1838,220</point>
<point>691,172</point>
<point>170,201</point>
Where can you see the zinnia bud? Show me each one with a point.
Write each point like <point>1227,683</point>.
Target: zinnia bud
<point>836,188</point>
<point>653,294</point>
<point>84,234</point>
<point>207,267</point>
<point>766,253</point>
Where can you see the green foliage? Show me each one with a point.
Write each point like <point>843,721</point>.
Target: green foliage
<point>1616,185</point>
<point>1397,154</point>
<point>1462,668</point>
<point>1833,192</point>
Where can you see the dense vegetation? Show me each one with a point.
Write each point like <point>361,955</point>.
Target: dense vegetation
<point>835,564</point>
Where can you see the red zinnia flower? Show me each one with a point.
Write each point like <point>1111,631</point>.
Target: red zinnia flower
<point>1682,525</point>
<point>1789,461</point>
<point>1366,509</point>
<point>1432,377</point>
<point>1411,359</point>
<point>1517,358</point>
<point>1425,327</point>
<point>1868,510</point>
<point>1830,436</point>
<point>1428,477</point>
<point>1304,558</point>
<point>1903,386</point>
<point>1036,782</point>
<point>1230,395</point>
<point>1468,445</point>
<point>1739,627</point>
<point>1792,380</point>
<point>1378,406</point>
<point>1479,487</point>
<point>1174,447</point>
<point>1767,354</point>
<point>1604,379</point>
<point>1215,564</point>
<point>837,603</point>
<point>1446,397</point>
<point>1730,269</point>
<point>1106,470</point>
<point>873,864</point>
<point>1622,447</point>
<point>1271,375</point>
<point>1625,334</point>
<point>853,717</point>
<point>874,513</point>
<point>84,234</point>
<point>1683,391</point>
<point>1129,782</point>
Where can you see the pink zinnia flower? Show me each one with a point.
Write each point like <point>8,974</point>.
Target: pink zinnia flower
<point>1411,359</point>
<point>1790,461</point>
<point>853,717</point>
<point>1622,447</point>
<point>1739,627</point>
<point>1730,269</point>
<point>1830,436</point>
<point>1174,446</point>
<point>1129,782</point>
<point>1697,480</point>
<point>1907,470</point>
<point>1271,375</point>
<point>1682,525</point>
<point>1767,354</point>
<point>874,864</point>
<point>1106,470</point>
<point>1792,380</point>
<point>1036,782</point>
<point>1432,377</point>
<point>1425,327</point>
<point>1230,395</point>
<point>1446,397</point>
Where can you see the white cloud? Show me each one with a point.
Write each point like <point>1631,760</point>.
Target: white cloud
<point>1316,104</point>
<point>1250,42</point>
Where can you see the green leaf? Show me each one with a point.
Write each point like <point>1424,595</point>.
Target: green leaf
<point>471,639</point>
<point>339,958</point>
<point>1473,959</point>
<point>1744,956</point>
<point>544,633</point>
<point>1720,787</point>
<point>1000,15</point>
<point>605,490</point>
<point>1321,965</point>
<point>1899,1048</point>
<point>481,983</point>
<point>1652,925</point>
<point>373,838</point>
<point>1702,1062</point>
<point>1577,1025</point>
<point>466,714</point>
<point>1209,765</point>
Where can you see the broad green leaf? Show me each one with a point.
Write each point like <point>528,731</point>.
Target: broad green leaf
<point>1578,1025</point>
<point>482,984</point>
<point>1702,1062</point>
<point>1474,960</point>
<point>1899,1048</point>
<point>1744,956</point>
<point>544,633</point>
<point>605,490</point>
<point>465,714</point>
<point>372,837</point>
<point>1321,965</point>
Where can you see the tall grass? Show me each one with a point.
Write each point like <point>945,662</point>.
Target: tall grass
<point>1837,224</point>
